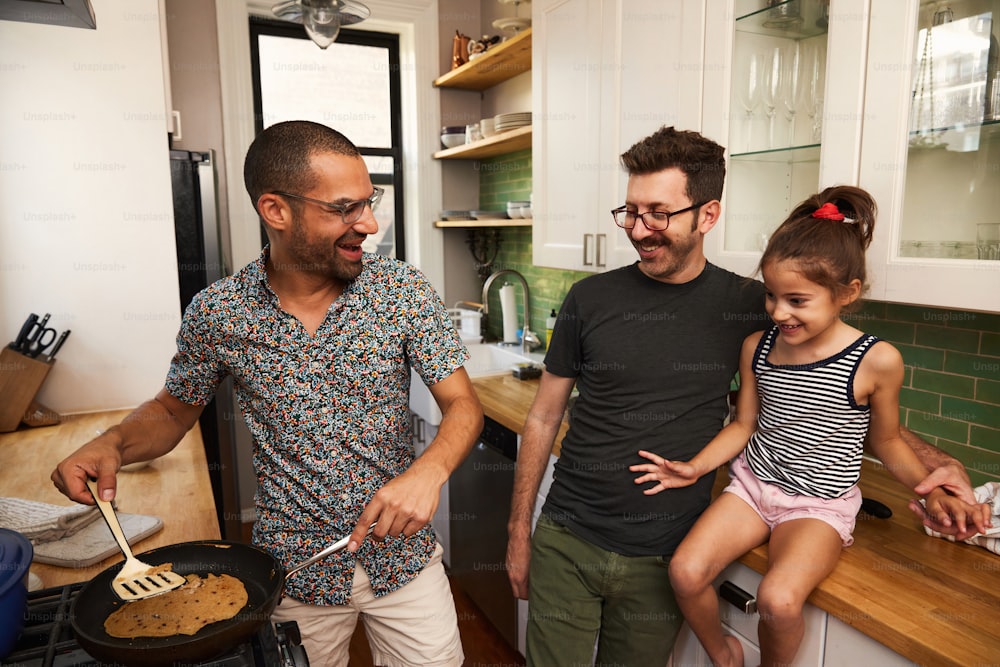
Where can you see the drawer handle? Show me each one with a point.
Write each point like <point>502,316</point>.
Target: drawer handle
<point>586,250</point>
<point>738,597</point>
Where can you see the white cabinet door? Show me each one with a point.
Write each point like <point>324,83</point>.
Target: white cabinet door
<point>423,434</point>
<point>929,153</point>
<point>743,626</point>
<point>606,74</point>
<point>846,647</point>
<point>566,150</point>
<point>422,401</point>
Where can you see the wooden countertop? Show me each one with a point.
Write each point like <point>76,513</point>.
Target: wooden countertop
<point>930,600</point>
<point>176,487</point>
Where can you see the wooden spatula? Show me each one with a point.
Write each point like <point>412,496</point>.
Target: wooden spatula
<point>136,580</point>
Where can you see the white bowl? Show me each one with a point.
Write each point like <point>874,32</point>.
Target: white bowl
<point>526,212</point>
<point>514,211</point>
<point>452,140</point>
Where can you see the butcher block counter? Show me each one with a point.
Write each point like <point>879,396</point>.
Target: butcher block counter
<point>176,487</point>
<point>930,600</point>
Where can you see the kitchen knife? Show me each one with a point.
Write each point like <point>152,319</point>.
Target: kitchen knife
<point>22,337</point>
<point>59,343</point>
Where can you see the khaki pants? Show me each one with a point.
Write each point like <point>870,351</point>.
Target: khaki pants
<point>415,626</point>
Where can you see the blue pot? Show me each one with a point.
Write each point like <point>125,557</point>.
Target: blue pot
<point>15,559</point>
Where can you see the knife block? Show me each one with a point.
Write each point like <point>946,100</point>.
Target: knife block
<point>20,379</point>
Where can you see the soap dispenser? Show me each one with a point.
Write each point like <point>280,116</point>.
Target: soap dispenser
<point>550,324</point>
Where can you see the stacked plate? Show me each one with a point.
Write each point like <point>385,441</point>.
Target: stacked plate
<point>509,121</point>
<point>489,215</point>
<point>449,214</point>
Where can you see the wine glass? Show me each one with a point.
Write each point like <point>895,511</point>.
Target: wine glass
<point>791,86</point>
<point>812,88</point>
<point>772,89</point>
<point>748,91</point>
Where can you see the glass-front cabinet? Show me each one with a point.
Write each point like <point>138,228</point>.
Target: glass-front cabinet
<point>775,123</point>
<point>931,151</point>
<point>900,97</point>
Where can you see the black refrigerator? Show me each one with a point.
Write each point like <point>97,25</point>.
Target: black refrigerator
<point>199,264</point>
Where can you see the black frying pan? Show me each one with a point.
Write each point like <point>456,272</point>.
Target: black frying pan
<point>259,571</point>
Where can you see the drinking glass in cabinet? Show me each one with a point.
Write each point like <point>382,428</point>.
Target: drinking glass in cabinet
<point>748,92</point>
<point>772,89</point>
<point>988,240</point>
<point>791,86</point>
<point>814,64</point>
<point>777,90</point>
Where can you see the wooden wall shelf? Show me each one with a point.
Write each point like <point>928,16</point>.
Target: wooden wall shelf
<point>499,144</point>
<point>499,63</point>
<point>504,222</point>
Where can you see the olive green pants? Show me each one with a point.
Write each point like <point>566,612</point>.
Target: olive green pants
<point>588,606</point>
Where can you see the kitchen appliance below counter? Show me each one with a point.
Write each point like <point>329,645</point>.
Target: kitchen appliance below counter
<point>48,641</point>
<point>479,498</point>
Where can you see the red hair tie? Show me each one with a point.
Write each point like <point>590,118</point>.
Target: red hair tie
<point>828,211</point>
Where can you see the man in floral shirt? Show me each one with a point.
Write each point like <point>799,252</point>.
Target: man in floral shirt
<point>320,338</point>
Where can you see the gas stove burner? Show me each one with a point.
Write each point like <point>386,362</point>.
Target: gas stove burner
<point>48,641</point>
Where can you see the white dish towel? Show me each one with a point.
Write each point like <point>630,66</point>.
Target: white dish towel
<point>43,522</point>
<point>988,493</point>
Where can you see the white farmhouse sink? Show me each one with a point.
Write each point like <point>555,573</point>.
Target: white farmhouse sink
<point>491,359</point>
<point>495,359</point>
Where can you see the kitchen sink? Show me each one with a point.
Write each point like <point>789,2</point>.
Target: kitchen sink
<point>494,359</point>
<point>485,359</point>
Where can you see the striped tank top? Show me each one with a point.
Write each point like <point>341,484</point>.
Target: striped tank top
<point>810,431</point>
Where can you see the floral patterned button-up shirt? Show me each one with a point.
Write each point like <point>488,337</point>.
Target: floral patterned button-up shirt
<point>329,413</point>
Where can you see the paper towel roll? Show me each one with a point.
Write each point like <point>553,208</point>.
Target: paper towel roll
<point>508,306</point>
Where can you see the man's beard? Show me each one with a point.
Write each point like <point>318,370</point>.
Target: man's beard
<point>313,258</point>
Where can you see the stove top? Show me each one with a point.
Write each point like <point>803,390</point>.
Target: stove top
<point>47,639</point>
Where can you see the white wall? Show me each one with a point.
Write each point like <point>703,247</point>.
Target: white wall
<point>86,222</point>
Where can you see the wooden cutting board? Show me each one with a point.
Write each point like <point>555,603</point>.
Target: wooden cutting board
<point>95,542</point>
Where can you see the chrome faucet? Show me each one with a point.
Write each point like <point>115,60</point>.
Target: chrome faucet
<point>529,341</point>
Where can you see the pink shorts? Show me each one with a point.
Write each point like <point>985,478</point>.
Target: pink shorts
<point>774,506</point>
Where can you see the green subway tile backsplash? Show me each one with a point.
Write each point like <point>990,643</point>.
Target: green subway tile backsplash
<point>943,383</point>
<point>976,365</point>
<point>920,357</point>
<point>951,391</point>
<point>988,391</point>
<point>990,343</point>
<point>897,332</point>
<point>924,401</point>
<point>948,338</point>
<point>970,411</point>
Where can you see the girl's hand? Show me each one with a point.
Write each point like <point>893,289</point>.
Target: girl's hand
<point>668,474</point>
<point>952,516</point>
<point>950,477</point>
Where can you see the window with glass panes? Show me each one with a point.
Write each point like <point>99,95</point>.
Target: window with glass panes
<point>352,86</point>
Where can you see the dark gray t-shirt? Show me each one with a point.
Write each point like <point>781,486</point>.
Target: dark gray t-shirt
<point>653,363</point>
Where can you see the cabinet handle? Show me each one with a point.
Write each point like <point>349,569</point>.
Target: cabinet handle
<point>602,240</point>
<point>738,597</point>
<point>586,249</point>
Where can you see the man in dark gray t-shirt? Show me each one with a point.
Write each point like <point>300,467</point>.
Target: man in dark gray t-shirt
<point>652,349</point>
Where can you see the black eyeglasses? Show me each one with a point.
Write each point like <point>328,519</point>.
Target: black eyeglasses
<point>657,221</point>
<point>351,211</point>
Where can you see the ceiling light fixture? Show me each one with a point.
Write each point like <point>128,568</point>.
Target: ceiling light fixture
<point>322,19</point>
